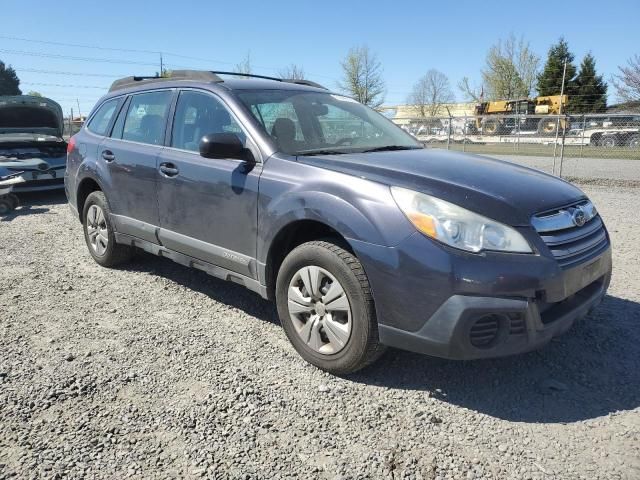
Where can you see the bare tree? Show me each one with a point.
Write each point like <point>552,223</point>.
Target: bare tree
<point>362,76</point>
<point>627,82</point>
<point>471,92</point>
<point>511,69</point>
<point>292,72</point>
<point>430,92</point>
<point>245,65</point>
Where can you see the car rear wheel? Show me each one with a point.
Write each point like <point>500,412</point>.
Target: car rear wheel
<point>99,233</point>
<point>326,309</point>
<point>634,141</point>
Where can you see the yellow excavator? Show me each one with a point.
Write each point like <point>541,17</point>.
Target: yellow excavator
<point>502,117</point>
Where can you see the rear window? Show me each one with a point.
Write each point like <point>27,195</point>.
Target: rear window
<point>100,121</point>
<point>146,117</point>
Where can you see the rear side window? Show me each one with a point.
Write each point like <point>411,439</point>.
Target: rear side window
<point>100,121</point>
<point>146,117</point>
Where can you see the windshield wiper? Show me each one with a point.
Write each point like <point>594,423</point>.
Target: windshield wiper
<point>321,152</point>
<point>389,148</point>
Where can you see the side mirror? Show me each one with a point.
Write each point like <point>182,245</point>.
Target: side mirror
<point>223,145</point>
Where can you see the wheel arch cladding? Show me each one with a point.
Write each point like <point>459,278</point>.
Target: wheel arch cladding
<point>314,215</point>
<point>86,186</point>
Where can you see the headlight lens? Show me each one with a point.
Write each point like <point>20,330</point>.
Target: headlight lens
<point>455,226</point>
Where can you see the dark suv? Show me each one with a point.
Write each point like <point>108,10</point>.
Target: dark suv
<point>363,238</point>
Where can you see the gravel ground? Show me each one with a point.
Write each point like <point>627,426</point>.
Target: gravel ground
<point>158,371</point>
<point>621,171</point>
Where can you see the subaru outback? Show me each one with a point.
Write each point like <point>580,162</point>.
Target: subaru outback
<point>363,238</point>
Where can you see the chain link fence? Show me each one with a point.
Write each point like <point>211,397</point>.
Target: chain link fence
<point>587,146</point>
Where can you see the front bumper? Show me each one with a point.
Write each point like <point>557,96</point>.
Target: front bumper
<point>48,181</point>
<point>514,325</point>
<point>432,300</point>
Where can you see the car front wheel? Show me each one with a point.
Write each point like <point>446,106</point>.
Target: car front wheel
<point>325,305</point>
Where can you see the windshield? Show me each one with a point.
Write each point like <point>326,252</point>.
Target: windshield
<point>310,123</point>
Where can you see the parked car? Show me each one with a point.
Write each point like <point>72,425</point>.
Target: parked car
<point>31,141</point>
<point>363,242</point>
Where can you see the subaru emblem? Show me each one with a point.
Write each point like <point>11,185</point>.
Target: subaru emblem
<point>579,217</point>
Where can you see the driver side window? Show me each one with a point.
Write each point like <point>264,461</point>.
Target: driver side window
<point>199,114</point>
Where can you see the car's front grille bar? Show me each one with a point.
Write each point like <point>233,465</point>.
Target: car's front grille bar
<point>573,234</point>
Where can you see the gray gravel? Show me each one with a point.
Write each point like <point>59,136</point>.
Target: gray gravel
<point>157,371</point>
<point>595,170</point>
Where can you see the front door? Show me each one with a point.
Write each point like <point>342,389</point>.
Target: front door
<point>208,207</point>
<point>131,155</point>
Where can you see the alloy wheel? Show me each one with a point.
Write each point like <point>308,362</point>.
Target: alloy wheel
<point>97,230</point>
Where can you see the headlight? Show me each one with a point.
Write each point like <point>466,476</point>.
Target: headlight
<point>455,226</point>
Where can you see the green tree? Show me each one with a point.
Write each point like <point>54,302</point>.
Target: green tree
<point>9,81</point>
<point>511,68</point>
<point>510,72</point>
<point>33,93</point>
<point>590,93</point>
<point>550,80</point>
<point>362,76</point>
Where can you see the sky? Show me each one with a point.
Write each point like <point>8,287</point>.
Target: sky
<point>409,38</point>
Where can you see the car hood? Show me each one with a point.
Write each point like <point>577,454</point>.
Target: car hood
<point>500,190</point>
<point>29,118</point>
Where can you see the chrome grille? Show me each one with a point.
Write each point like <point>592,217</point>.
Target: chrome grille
<point>573,233</point>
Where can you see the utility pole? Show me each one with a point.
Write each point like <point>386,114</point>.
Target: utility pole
<point>161,65</point>
<point>555,144</point>
<point>79,112</point>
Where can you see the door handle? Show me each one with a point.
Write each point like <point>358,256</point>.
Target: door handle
<point>169,169</point>
<point>108,155</point>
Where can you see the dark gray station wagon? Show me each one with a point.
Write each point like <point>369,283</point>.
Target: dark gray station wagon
<point>363,238</point>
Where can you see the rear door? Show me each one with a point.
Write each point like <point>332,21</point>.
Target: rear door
<point>131,155</point>
<point>208,207</point>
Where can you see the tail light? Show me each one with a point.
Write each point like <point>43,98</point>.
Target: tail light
<point>71,145</point>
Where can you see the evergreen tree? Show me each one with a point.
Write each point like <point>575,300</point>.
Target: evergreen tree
<point>9,82</point>
<point>550,80</point>
<point>590,89</point>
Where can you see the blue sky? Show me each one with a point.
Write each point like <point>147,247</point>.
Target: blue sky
<point>409,38</point>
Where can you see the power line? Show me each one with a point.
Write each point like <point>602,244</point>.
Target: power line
<point>63,44</point>
<point>83,59</point>
<point>64,86</point>
<point>59,72</point>
<point>132,50</point>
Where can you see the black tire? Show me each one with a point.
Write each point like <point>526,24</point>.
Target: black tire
<point>491,127</point>
<point>115,253</point>
<point>363,346</point>
<point>13,198</point>
<point>547,126</point>
<point>609,141</point>
<point>634,141</point>
<point>6,206</point>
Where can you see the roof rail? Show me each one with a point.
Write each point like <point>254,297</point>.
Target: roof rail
<point>300,81</point>
<point>309,83</point>
<point>194,75</point>
<point>200,76</point>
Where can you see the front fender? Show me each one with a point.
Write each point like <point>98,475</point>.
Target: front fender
<point>366,213</point>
